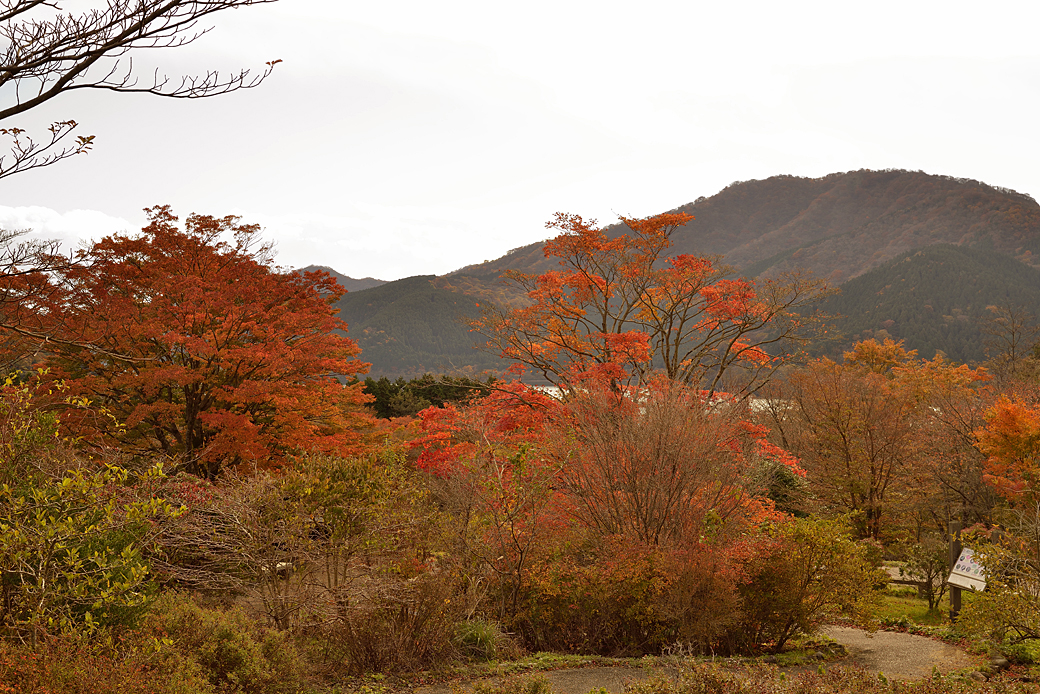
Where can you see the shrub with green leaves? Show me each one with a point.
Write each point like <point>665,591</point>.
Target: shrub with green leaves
<point>812,570</point>
<point>71,531</point>
<point>927,563</point>
<point>1008,611</point>
<point>234,653</point>
<point>480,638</point>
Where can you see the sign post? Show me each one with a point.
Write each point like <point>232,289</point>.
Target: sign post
<point>955,552</point>
<point>967,572</point>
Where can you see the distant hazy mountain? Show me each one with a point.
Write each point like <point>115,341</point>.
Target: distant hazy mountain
<point>410,327</point>
<point>845,227</point>
<point>348,283</point>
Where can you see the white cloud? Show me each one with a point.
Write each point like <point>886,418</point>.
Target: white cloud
<point>72,228</point>
<point>368,240</point>
<point>406,137</point>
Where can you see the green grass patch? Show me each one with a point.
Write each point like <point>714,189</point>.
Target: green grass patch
<point>901,606</point>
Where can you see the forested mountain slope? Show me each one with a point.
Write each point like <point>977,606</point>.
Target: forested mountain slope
<point>850,223</point>
<point>840,227</point>
<point>410,327</point>
<point>935,299</point>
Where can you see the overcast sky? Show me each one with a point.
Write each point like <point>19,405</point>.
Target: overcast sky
<point>400,138</point>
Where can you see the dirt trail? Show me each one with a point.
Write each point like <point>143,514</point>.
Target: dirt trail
<point>898,656</point>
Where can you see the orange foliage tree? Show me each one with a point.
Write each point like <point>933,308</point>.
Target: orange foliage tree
<point>608,522</point>
<point>1010,440</point>
<point>619,308</point>
<point>878,431</point>
<point>953,401</point>
<point>206,353</point>
<point>666,467</point>
<point>497,482</point>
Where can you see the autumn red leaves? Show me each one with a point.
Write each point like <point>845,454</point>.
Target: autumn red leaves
<point>184,342</point>
<point>650,496</point>
<point>619,308</point>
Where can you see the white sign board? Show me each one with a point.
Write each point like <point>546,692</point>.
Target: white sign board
<point>967,572</point>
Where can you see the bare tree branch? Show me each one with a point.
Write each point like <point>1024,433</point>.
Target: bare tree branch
<point>27,154</point>
<point>43,55</point>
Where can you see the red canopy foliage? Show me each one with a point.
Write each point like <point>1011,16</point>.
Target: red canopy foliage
<point>227,360</point>
<point>1011,442</point>
<point>666,463</point>
<point>618,308</point>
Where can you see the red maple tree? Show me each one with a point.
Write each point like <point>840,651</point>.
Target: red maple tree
<point>619,308</point>
<point>223,359</point>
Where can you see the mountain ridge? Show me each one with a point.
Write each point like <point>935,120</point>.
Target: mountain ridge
<point>349,283</point>
<point>840,227</point>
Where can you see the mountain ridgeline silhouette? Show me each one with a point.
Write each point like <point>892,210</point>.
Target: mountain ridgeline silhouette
<point>918,257</point>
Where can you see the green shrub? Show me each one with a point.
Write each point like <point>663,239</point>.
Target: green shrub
<point>480,638</point>
<point>1024,653</point>
<point>72,530</point>
<point>927,563</point>
<point>234,652</point>
<point>813,570</point>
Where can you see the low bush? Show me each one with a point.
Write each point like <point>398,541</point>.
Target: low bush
<point>601,600</point>
<point>700,601</point>
<point>482,639</point>
<point>233,652</point>
<point>407,626</point>
<point>74,666</point>
<point>623,598</point>
<point>812,569</point>
<point>710,679</point>
<point>530,684</point>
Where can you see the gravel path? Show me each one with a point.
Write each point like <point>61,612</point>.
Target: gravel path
<point>898,655</point>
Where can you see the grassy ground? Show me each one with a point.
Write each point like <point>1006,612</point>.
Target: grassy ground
<point>901,602</point>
